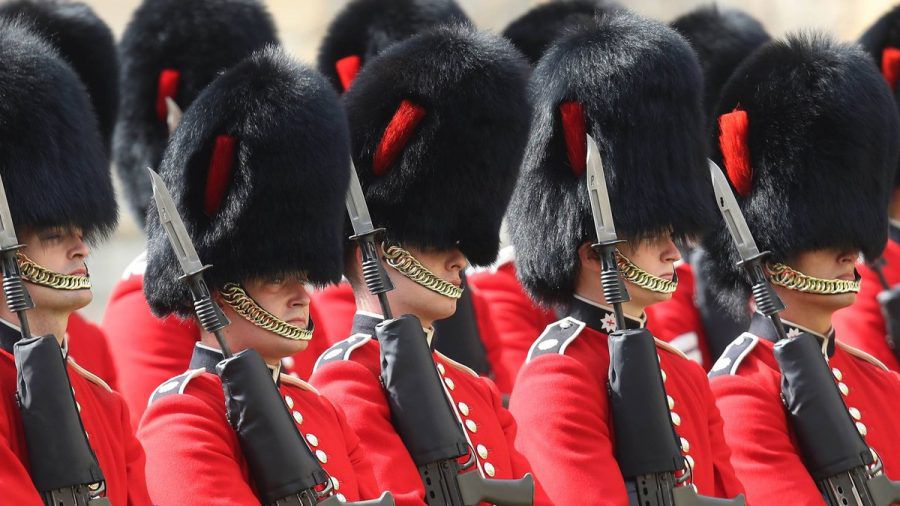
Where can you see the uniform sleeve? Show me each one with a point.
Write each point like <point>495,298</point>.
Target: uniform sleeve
<point>135,460</point>
<point>362,468</point>
<point>192,455</point>
<point>862,325</point>
<point>492,345</point>
<point>727,483</point>
<point>564,432</point>
<point>520,464</point>
<point>358,392</point>
<point>763,454</point>
<point>14,479</point>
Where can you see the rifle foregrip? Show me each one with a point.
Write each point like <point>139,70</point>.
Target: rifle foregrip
<point>884,491</point>
<point>386,499</point>
<point>685,496</point>
<point>477,489</point>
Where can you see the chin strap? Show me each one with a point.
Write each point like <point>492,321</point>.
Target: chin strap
<point>34,273</point>
<point>244,305</point>
<point>639,277</point>
<point>782,275</point>
<point>404,263</point>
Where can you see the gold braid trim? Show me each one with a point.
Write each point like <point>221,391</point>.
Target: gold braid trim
<point>34,273</point>
<point>782,275</point>
<point>642,278</point>
<point>406,264</point>
<point>245,306</point>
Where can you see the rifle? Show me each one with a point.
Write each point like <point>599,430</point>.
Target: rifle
<point>845,469</point>
<point>63,465</point>
<point>420,410</point>
<point>889,300</point>
<point>282,467</point>
<point>646,445</point>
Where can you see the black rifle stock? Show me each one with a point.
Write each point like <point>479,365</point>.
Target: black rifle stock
<point>834,452</point>
<point>430,431</point>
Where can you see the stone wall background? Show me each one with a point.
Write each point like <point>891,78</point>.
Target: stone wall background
<point>302,23</point>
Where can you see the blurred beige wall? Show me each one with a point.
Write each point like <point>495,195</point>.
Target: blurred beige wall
<point>302,23</point>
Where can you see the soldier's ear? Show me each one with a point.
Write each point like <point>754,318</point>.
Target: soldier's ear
<point>589,259</point>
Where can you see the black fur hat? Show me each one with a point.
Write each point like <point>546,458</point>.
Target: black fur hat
<point>635,86</point>
<point>52,161</point>
<point>259,168</point>
<point>808,136</point>
<point>84,40</point>
<point>439,124</point>
<point>534,31</point>
<point>364,28</point>
<point>174,48</point>
<point>722,39</point>
<point>882,42</point>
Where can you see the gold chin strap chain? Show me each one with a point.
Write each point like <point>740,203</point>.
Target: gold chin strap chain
<point>245,306</point>
<point>34,273</point>
<point>782,275</point>
<point>406,264</point>
<point>642,278</point>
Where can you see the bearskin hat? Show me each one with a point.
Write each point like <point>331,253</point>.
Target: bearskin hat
<point>173,49</point>
<point>635,86</point>
<point>808,136</point>
<point>534,31</point>
<point>439,124</point>
<point>52,160</point>
<point>722,39</point>
<point>364,28</point>
<point>259,168</point>
<point>83,40</point>
<point>882,42</point>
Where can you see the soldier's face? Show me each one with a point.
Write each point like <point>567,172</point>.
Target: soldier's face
<point>823,264</point>
<point>656,256</point>
<point>287,299</point>
<point>62,250</point>
<point>411,298</point>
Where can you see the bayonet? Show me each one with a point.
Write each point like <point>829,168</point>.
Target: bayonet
<point>17,297</point>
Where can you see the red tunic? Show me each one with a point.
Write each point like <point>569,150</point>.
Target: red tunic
<point>515,317</point>
<point>195,458</point>
<point>862,324</point>
<point>566,427</point>
<point>148,350</point>
<point>677,320</point>
<point>88,345</point>
<point>747,383</point>
<point>105,419</point>
<point>349,373</point>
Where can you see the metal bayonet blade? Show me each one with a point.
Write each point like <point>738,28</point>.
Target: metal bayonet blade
<point>599,195</point>
<point>174,227</point>
<point>731,213</point>
<point>7,229</point>
<point>357,208</point>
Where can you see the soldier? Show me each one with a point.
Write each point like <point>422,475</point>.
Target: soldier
<point>808,136</point>
<point>635,86</point>
<point>57,179</point>
<point>171,51</point>
<point>692,320</point>
<point>863,324</point>
<point>259,170</point>
<point>439,124</point>
<point>83,40</point>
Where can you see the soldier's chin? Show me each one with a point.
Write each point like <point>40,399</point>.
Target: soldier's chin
<point>60,300</point>
<point>835,301</point>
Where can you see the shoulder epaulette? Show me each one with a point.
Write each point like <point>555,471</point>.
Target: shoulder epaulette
<point>342,350</point>
<point>174,385</point>
<point>856,352</point>
<point>457,365</point>
<point>555,338</point>
<point>671,348</point>
<point>297,382</point>
<point>93,378</point>
<point>733,355</point>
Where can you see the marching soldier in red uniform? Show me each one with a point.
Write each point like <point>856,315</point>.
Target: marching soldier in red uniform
<point>863,324</point>
<point>692,320</point>
<point>83,40</point>
<point>259,168</point>
<point>56,176</point>
<point>808,136</point>
<point>440,125</point>
<point>635,86</point>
